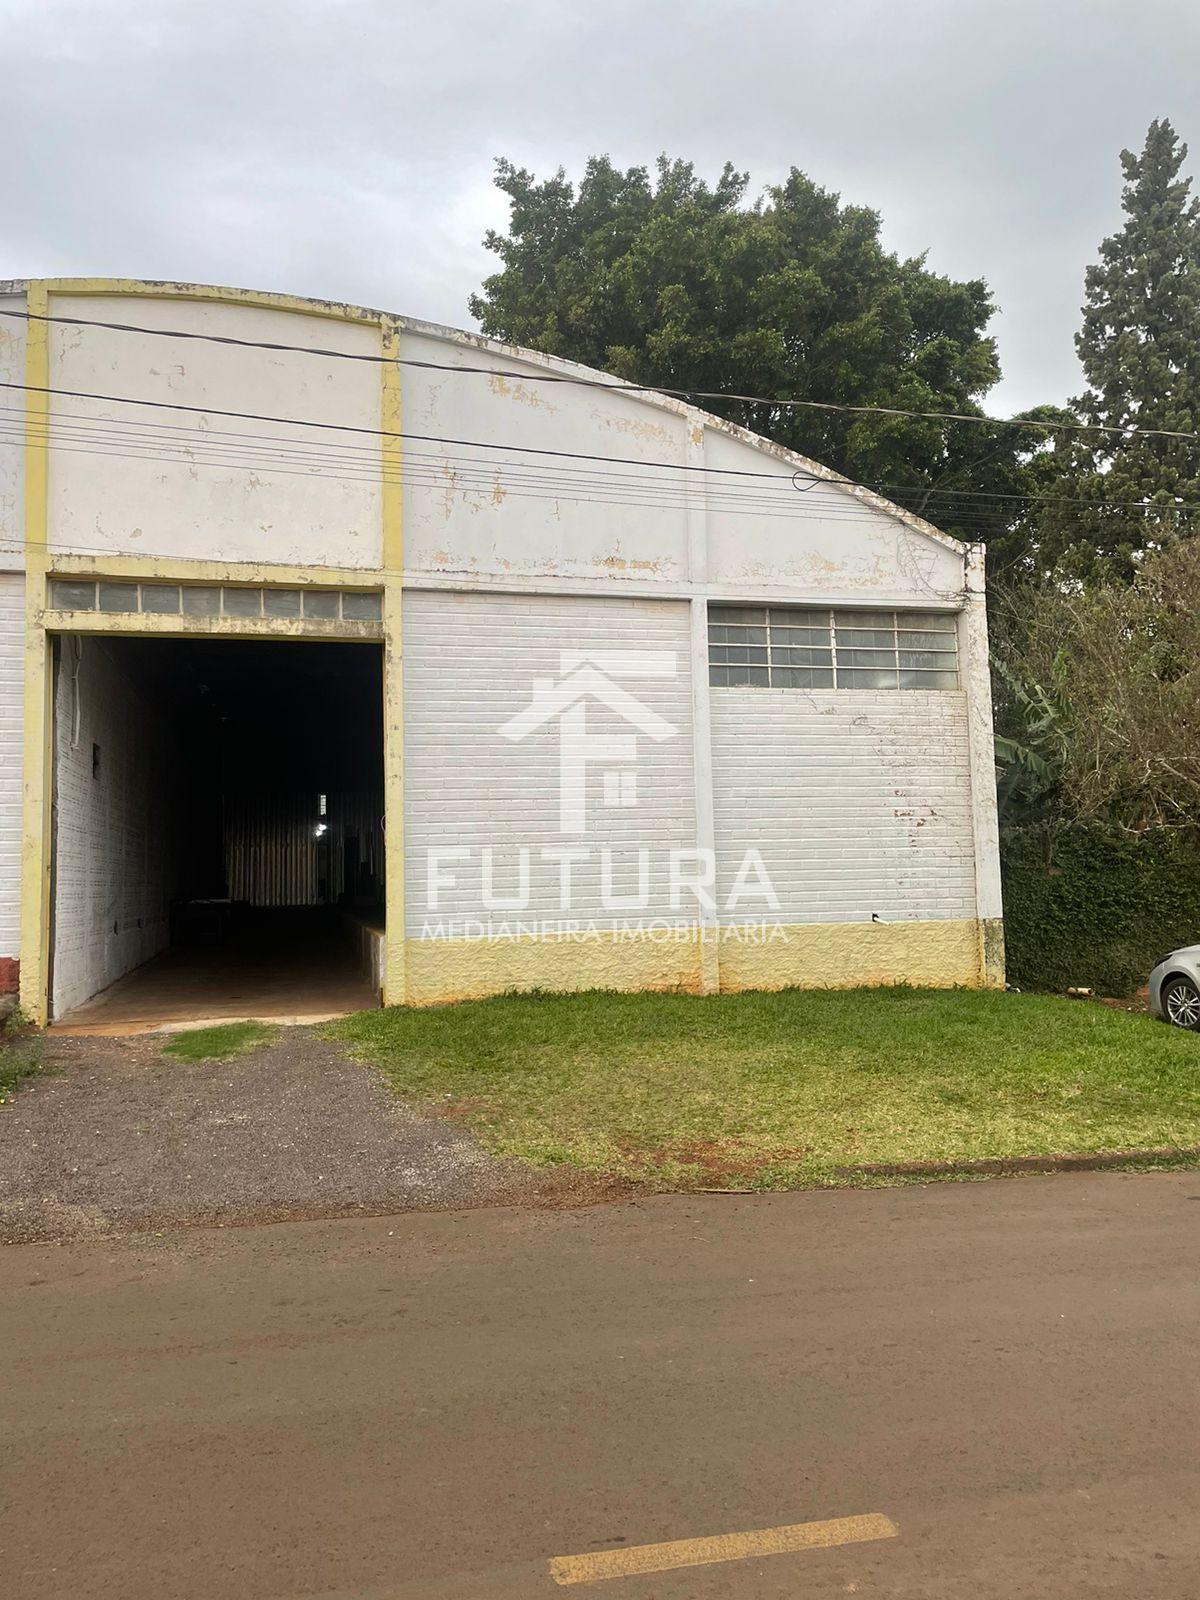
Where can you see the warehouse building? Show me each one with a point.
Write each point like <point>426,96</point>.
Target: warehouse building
<point>345,658</point>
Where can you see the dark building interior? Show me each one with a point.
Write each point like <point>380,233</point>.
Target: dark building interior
<point>241,781</point>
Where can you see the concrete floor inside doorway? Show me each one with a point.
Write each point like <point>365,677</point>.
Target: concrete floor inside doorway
<point>275,967</point>
<point>217,834</point>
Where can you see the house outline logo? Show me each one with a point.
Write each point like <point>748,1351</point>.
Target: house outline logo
<point>592,675</point>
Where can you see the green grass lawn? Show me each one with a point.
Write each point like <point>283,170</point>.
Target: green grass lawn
<point>21,1054</point>
<point>218,1043</point>
<point>778,1090</point>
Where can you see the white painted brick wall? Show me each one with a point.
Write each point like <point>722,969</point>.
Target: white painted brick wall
<point>112,862</point>
<point>470,661</point>
<point>12,658</point>
<point>859,802</point>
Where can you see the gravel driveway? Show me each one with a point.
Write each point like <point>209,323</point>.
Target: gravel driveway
<point>115,1136</point>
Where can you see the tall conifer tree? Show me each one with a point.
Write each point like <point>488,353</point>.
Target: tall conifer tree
<point>1140,351</point>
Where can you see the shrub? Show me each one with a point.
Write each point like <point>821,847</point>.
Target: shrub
<point>1088,904</point>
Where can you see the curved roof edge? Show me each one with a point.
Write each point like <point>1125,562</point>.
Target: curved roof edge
<point>559,365</point>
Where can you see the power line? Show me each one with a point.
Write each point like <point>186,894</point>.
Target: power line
<point>465,478</point>
<point>619,386</point>
<point>425,438</point>
<point>449,469</point>
<point>198,444</point>
<point>1031,499</point>
<point>76,425</point>
<point>386,433</point>
<point>438,482</point>
<point>770,484</point>
<point>176,442</point>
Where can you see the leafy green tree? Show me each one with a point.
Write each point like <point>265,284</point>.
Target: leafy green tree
<point>669,281</point>
<point>1097,696</point>
<point>1140,349</point>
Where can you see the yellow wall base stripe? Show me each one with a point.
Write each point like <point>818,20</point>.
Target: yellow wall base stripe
<point>644,1558</point>
<point>839,955</point>
<point>814,955</point>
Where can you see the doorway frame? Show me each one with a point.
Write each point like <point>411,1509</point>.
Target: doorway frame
<point>43,622</point>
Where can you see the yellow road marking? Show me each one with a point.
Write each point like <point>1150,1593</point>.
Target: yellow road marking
<point>721,1547</point>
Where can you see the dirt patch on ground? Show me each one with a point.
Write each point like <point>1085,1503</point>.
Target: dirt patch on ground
<point>1136,1005</point>
<point>713,1163</point>
<point>114,1136</point>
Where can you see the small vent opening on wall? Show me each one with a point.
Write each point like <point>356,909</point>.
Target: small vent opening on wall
<point>95,761</point>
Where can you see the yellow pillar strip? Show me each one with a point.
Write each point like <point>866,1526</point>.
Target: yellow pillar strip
<point>394,986</point>
<point>38,769</point>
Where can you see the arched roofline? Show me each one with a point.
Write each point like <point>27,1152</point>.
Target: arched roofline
<point>559,366</point>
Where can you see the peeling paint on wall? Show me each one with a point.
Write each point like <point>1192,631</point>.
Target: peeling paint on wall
<point>520,393</point>
<point>187,497</point>
<point>548,521</point>
<point>644,428</point>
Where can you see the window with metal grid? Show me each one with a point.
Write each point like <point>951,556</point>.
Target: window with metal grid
<point>806,647</point>
<point>215,600</point>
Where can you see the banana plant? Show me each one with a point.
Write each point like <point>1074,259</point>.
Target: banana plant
<point>1029,763</point>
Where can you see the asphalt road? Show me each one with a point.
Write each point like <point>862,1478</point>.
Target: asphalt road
<point>440,1405</point>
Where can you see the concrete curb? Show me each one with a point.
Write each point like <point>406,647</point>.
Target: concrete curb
<point>1000,1166</point>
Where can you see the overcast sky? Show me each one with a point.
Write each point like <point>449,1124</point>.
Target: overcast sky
<point>344,148</point>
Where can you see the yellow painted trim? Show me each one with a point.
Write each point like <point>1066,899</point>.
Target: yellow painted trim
<point>815,955</point>
<point>441,970</point>
<point>148,624</point>
<point>37,764</point>
<point>395,978</point>
<point>183,569</point>
<point>639,1559</point>
<point>391,421</point>
<point>38,768</point>
<point>156,289</point>
<point>839,955</point>
<point>148,289</point>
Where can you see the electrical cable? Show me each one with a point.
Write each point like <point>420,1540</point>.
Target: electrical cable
<point>437,480</point>
<point>317,449</point>
<point>77,424</point>
<point>399,433</point>
<point>618,386</point>
<point>440,484</point>
<point>273,448</point>
<point>45,427</point>
<point>466,476</point>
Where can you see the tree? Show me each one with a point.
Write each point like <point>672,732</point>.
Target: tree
<point>1140,350</point>
<point>1098,696</point>
<point>672,282</point>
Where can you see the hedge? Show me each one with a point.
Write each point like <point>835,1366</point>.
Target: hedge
<point>1087,905</point>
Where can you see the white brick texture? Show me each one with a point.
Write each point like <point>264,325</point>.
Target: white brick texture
<point>12,658</point>
<point>470,661</point>
<point>112,871</point>
<point>859,802</point>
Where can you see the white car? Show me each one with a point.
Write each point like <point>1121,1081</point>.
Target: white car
<point>1175,988</point>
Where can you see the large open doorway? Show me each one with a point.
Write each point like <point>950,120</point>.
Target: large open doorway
<point>218,830</point>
